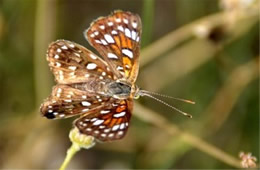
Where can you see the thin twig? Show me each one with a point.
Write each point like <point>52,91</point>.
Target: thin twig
<point>186,58</point>
<point>172,39</point>
<point>220,107</point>
<point>154,118</point>
<point>44,32</point>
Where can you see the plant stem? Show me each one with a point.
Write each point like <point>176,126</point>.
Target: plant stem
<point>44,32</point>
<point>148,17</point>
<point>74,148</point>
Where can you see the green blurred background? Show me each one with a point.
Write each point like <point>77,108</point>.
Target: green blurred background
<point>203,50</point>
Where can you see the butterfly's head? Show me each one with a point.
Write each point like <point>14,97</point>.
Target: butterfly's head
<point>136,92</point>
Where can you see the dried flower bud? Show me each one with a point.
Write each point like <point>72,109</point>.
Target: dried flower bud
<point>247,160</point>
<point>83,141</point>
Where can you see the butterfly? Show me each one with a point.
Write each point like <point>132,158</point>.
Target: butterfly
<point>100,90</point>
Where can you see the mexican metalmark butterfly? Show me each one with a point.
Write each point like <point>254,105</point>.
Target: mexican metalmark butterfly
<point>99,90</point>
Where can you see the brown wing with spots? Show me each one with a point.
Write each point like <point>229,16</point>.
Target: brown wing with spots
<point>107,123</point>
<point>117,39</point>
<point>73,63</point>
<point>66,101</point>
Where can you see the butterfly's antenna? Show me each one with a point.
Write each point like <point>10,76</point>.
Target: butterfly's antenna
<point>144,93</point>
<point>162,95</point>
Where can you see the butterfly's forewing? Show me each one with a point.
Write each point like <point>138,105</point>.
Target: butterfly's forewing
<point>72,63</point>
<point>107,123</point>
<point>66,101</point>
<point>117,39</point>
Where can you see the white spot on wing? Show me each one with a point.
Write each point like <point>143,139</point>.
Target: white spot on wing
<point>109,38</point>
<point>98,122</point>
<point>122,126</point>
<point>103,42</point>
<point>115,127</point>
<point>93,119</point>
<point>110,23</point>
<point>85,110</point>
<point>134,24</point>
<point>111,135</point>
<point>127,53</point>
<point>58,64</point>
<point>104,73</point>
<point>102,27</point>
<point>64,47</point>
<point>133,35</point>
<point>114,32</point>
<point>102,127</point>
<point>121,114</point>
<point>103,135</point>
<point>97,41</point>
<point>77,54</point>
<point>91,66</point>
<point>125,21</point>
<point>111,55</point>
<point>56,56</point>
<point>72,68</point>
<point>72,45</point>
<point>59,90</point>
<point>93,56</point>
<point>85,103</point>
<point>120,28</point>
<point>104,111</point>
<point>107,130</point>
<point>119,68</point>
<point>68,100</point>
<point>127,33</point>
<point>120,133</point>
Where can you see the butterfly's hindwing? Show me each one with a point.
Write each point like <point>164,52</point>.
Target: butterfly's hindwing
<point>66,101</point>
<point>107,123</point>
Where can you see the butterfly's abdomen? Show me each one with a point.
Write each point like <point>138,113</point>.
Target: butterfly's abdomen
<point>91,86</point>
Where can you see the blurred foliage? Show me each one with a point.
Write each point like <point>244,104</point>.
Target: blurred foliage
<point>204,50</point>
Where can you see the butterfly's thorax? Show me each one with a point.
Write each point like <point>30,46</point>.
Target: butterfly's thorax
<point>120,90</point>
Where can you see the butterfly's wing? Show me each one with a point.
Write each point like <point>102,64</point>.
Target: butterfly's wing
<point>107,123</point>
<point>76,69</point>
<point>117,38</point>
<point>66,101</point>
<point>73,63</point>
